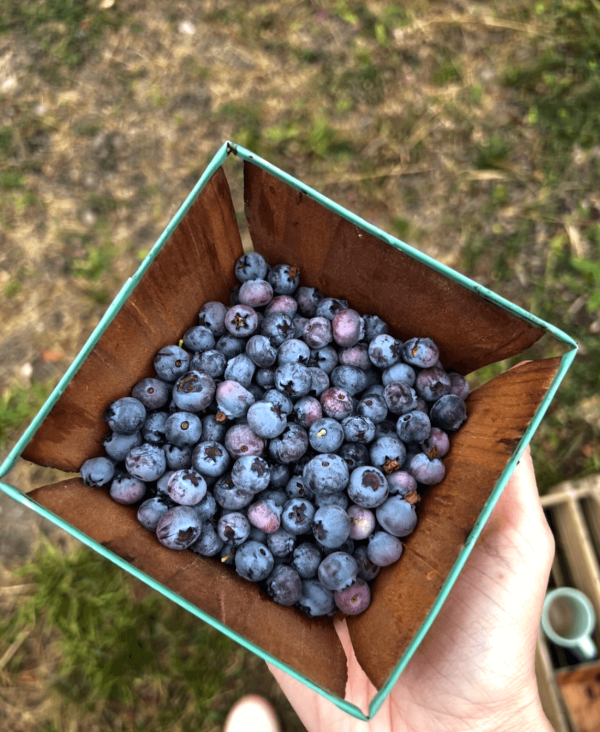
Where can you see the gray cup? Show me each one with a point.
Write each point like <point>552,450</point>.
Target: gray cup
<point>568,619</point>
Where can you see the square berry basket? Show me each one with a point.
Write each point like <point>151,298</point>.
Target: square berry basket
<point>343,256</point>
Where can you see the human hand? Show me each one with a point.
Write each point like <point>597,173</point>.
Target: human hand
<point>475,668</point>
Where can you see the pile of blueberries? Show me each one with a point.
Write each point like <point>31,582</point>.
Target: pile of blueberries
<point>286,435</point>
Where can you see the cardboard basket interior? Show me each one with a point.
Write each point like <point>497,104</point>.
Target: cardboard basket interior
<point>196,264</point>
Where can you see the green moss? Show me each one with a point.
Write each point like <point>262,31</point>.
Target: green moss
<point>19,406</point>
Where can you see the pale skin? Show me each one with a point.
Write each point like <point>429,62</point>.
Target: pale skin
<point>474,671</point>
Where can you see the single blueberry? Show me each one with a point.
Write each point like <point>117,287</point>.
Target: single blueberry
<point>117,445</point>
<point>183,429</point>
<point>251,473</point>
<point>152,393</point>
<point>212,316</point>
<point>460,386</point>
<point>329,307</point>
<point>326,435</point>
<point>307,410</point>
<point>308,298</point>
<point>448,413</point>
<point>293,379</point>
<point>265,378</point>
<point>260,350</point>
<point>233,527</point>
<point>362,522</point>
<point>254,561</point>
<point>281,543</point>
<point>354,599</point>
<point>212,362</point>
<point>284,585</point>
<point>97,471</point>
<point>327,473</point>
<point>241,369</point>
<point>126,489</point>
<point>242,440</point>
<point>347,328</point>
<point>421,352</point>
<point>437,444</point>
<point>290,446</point>
<point>337,571</point>
<point>153,429</point>
<point>373,407</point>
<point>358,429</point>
<point>278,328</point>
<point>337,403</point>
<point>397,516</point>
<point>179,528</point>
<point>284,279</point>
<point>241,321</point>
<point>230,346</point>
<point>171,362</point>
<point>274,396</point>
<point>306,559</point>
<point>325,358</point>
<point>206,509</point>
<point>401,483</point>
<point>315,600</point>
<point>297,516</point>
<point>233,400</point>
<point>384,549</point>
<point>125,416</point>
<point>374,326</point>
<point>399,372</point>
<point>428,471</point>
<point>210,459</point>
<point>212,429</point>
<point>251,266</point>
<point>357,356</point>
<point>317,334</point>
<point>355,454</point>
<point>366,569</point>
<point>229,496</point>
<point>295,488</point>
<point>384,351</point>
<point>293,351</point>
<point>194,391</point>
<point>255,294</point>
<point>178,458</point>
<point>331,526</point>
<point>209,544</point>
<point>368,487</point>
<point>146,462</point>
<point>282,304</point>
<point>199,339</point>
<point>265,515</point>
<point>151,511</point>
<point>280,476</point>
<point>266,419</point>
<point>413,427</point>
<point>387,453</point>
<point>399,398</point>
<point>186,487</point>
<point>433,383</point>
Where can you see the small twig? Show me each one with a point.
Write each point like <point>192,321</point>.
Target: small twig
<point>485,20</point>
<point>14,647</point>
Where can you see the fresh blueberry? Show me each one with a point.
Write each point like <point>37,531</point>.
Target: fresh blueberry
<point>265,515</point>
<point>290,446</point>
<point>399,398</point>
<point>281,543</point>
<point>421,352</point>
<point>387,453</point>
<point>126,489</point>
<point>433,383</point>
<point>211,362</point>
<point>161,486</point>
<point>384,549</point>
<point>151,511</point>
<point>179,528</point>
<point>251,266</point>
<point>199,339</point>
<point>251,473</point>
<point>194,391</point>
<point>265,378</point>
<point>260,350</point>
<point>460,386</point>
<point>293,351</point>
<point>293,379</point>
<point>326,435</point>
<point>362,522</point>
<point>428,471</point>
<point>209,544</point>
<point>97,471</point>
<point>229,496</point>
<point>306,559</point>
<point>448,413</point>
<point>357,356</point>
<point>284,279</point>
<point>212,316</point>
<point>401,483</point>
<point>297,516</point>
<point>254,561</point>
<point>183,429</point>
<point>278,328</point>
<point>347,328</point>
<point>374,326</point>
<point>295,488</point>
<point>397,516</point>
<point>266,419</point>
<point>317,333</point>
<point>307,411</point>
<point>399,372</point>
<point>146,462</point>
<point>206,508</point>
<point>355,599</point>
<point>413,427</point>
<point>373,408</point>
<point>368,487</point>
<point>437,444</point>
<point>337,571</point>
<point>308,298</point>
<point>212,429</point>
<point>366,569</point>
<point>274,396</point>
<point>233,527</point>
<point>325,358</point>
<point>337,403</point>
<point>241,321</point>
<point>152,393</point>
<point>327,473</point>
<point>171,362</point>
<point>331,526</point>
<point>282,304</point>
<point>178,458</point>
<point>384,351</point>
<point>210,459</point>
<point>329,307</point>
<point>358,429</point>
<point>125,416</point>
<point>284,585</point>
<point>319,381</point>
<point>355,454</point>
<point>241,369</point>
<point>315,600</point>
<point>255,294</point>
<point>186,487</point>
<point>117,446</point>
<point>300,325</point>
<point>153,429</point>
<point>233,400</point>
<point>241,440</point>
<point>230,346</point>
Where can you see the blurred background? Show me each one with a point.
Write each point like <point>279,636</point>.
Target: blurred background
<point>470,131</point>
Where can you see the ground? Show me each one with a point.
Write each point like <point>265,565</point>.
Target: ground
<point>468,130</point>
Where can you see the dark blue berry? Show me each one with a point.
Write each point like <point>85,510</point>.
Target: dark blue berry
<point>368,487</point>
<point>254,561</point>
<point>179,528</point>
<point>212,316</point>
<point>399,398</point>
<point>178,458</point>
<point>199,339</point>
<point>337,571</point>
<point>251,266</point>
<point>278,328</point>
<point>117,445</point>
<point>297,516</point>
<point>327,473</point>
<point>384,351</point>
<point>421,352</point>
<point>260,350</point>
<point>251,473</point>
<point>374,326</point>
<point>308,299</point>
<point>266,419</point>
<point>428,471</point>
<point>397,516</point>
<point>209,544</point>
<point>151,511</point>
<point>325,358</point>
<point>152,393</point>
<point>146,462</point>
<point>153,430</point>
<point>194,391</point>
<point>331,526</point>
<point>383,549</point>
<point>326,435</point>
<point>97,471</point>
<point>230,346</point>
<point>284,585</point>
<point>290,446</point>
<point>171,362</point>
<point>183,429</point>
<point>358,429</point>
<point>413,427</point>
<point>233,527</point>
<point>210,459</point>
<point>125,416</point>
<point>284,279</point>
<point>316,600</point>
<point>448,413</point>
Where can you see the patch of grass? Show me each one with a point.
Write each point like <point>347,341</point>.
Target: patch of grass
<point>19,406</point>
<point>65,30</point>
<point>446,71</point>
<point>123,651</point>
<point>493,153</point>
<point>245,120</point>
<point>95,262</point>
